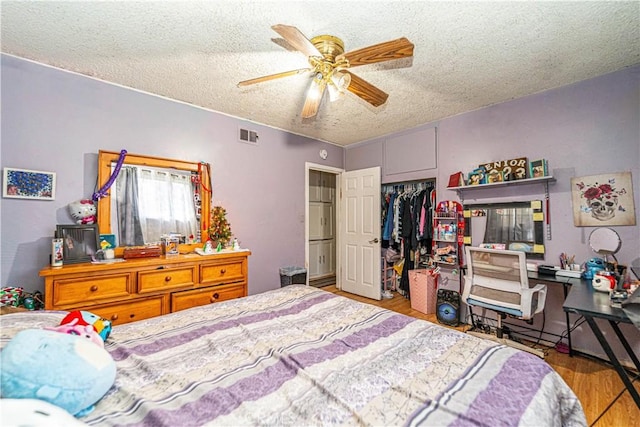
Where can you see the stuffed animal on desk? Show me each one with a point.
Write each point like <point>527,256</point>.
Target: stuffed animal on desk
<point>67,370</point>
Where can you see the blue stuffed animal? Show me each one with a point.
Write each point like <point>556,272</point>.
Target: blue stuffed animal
<point>66,370</point>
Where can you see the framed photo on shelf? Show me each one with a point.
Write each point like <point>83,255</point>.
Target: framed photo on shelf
<point>494,176</point>
<point>538,168</point>
<point>79,242</point>
<point>28,184</point>
<point>476,177</point>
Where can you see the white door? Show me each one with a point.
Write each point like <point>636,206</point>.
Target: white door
<point>360,232</point>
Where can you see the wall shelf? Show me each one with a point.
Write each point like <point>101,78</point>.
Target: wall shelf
<point>544,180</point>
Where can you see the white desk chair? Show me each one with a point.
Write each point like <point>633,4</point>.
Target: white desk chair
<point>497,280</point>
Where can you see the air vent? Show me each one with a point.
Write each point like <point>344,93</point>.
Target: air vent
<point>248,136</point>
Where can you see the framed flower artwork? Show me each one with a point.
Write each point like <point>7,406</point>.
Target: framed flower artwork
<point>28,184</point>
<point>603,200</point>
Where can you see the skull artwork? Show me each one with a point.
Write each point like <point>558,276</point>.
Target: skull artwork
<point>604,208</point>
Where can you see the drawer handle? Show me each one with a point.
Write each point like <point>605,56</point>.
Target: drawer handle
<point>93,288</point>
<point>214,297</point>
<point>132,315</point>
<point>223,270</point>
<point>114,317</point>
<point>167,279</point>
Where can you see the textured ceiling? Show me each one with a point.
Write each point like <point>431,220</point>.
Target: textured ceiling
<point>467,54</point>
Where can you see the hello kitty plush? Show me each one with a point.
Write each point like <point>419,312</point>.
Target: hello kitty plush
<point>83,211</point>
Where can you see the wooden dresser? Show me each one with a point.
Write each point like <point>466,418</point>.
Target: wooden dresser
<point>137,289</point>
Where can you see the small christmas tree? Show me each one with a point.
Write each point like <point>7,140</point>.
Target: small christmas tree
<point>219,227</point>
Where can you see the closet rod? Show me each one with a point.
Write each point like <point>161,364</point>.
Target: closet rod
<point>394,185</point>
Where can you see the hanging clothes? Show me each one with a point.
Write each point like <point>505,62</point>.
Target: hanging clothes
<point>388,222</point>
<point>407,223</point>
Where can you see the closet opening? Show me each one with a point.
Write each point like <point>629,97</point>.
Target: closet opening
<point>322,223</point>
<point>407,230</point>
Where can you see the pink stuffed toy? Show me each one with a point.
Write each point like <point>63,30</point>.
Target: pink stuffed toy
<point>84,318</point>
<point>85,331</point>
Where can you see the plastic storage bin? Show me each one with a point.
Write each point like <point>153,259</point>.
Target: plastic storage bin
<point>293,276</point>
<point>423,288</point>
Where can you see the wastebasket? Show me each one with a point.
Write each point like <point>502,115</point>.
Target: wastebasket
<point>293,275</point>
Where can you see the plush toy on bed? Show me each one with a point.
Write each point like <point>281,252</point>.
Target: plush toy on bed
<point>81,331</point>
<point>65,369</point>
<point>86,318</point>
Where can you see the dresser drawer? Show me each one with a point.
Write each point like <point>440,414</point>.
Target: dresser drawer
<point>127,312</point>
<point>196,297</point>
<point>228,272</point>
<point>166,278</point>
<point>90,288</point>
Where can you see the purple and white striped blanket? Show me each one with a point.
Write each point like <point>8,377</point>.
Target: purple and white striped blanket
<point>300,356</point>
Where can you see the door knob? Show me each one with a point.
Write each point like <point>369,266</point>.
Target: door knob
<point>374,240</point>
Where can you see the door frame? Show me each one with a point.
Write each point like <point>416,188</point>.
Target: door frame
<point>337,200</point>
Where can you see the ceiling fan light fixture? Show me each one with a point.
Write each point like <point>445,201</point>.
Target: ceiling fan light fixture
<point>341,80</point>
<point>334,93</point>
<point>338,84</point>
<point>328,64</point>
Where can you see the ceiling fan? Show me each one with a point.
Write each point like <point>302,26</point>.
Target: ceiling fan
<point>329,66</point>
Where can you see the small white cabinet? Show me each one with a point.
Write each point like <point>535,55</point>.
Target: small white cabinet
<point>321,221</point>
<point>322,258</point>
<point>322,186</point>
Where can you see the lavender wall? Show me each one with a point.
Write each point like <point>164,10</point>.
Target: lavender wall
<point>57,121</point>
<point>588,128</point>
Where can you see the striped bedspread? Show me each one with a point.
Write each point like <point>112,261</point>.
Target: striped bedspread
<point>300,356</point>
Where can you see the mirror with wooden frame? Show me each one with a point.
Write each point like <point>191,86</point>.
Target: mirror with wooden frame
<point>153,196</point>
<point>512,225</point>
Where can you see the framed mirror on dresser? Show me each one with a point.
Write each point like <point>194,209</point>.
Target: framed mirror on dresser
<point>151,197</point>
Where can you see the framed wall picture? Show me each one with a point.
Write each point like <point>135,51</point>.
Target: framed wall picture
<point>79,242</point>
<point>603,200</point>
<point>538,168</point>
<point>28,184</point>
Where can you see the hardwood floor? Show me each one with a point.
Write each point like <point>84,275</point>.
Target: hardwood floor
<point>595,383</point>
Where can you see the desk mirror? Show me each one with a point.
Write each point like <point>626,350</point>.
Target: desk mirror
<point>604,241</point>
<point>152,196</point>
<point>514,226</point>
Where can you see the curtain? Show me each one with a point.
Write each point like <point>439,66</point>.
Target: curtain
<point>129,231</point>
<point>166,204</point>
<point>152,203</point>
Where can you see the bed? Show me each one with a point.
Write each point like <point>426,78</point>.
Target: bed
<point>301,356</point>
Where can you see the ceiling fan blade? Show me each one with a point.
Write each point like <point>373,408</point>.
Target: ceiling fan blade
<point>366,90</point>
<point>296,39</point>
<point>387,51</point>
<point>314,97</point>
<point>272,77</point>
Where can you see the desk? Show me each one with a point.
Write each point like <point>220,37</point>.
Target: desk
<point>566,283</point>
<point>590,304</point>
